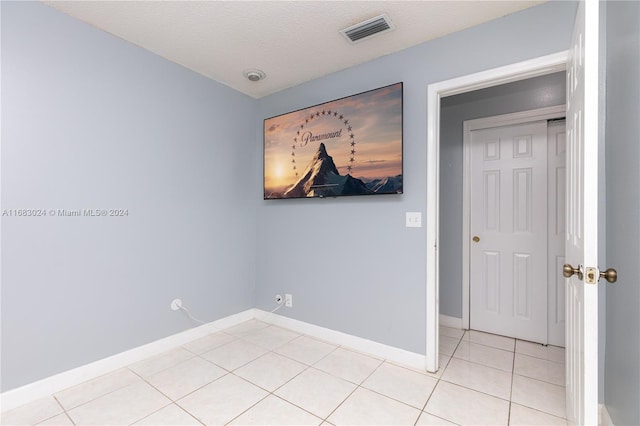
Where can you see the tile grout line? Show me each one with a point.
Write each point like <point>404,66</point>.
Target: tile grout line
<point>490,346</point>
<point>97,397</point>
<point>513,371</point>
<point>481,364</point>
<point>540,411</point>
<point>188,413</point>
<point>310,365</point>
<point>534,408</point>
<point>326,419</point>
<point>424,407</point>
<point>352,392</point>
<point>64,411</point>
<point>334,376</point>
<point>541,359</point>
<point>269,393</point>
<point>540,380</point>
<point>248,408</point>
<point>163,394</point>
<point>438,381</point>
<point>152,413</point>
<point>272,393</point>
<point>272,351</point>
<point>301,408</point>
<point>175,401</point>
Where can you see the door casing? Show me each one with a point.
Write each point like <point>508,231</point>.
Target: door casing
<point>519,71</point>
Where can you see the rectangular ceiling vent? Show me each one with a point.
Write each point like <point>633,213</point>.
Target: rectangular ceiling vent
<point>368,28</point>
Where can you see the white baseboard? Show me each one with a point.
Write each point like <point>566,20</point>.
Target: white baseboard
<point>50,385</point>
<point>452,322</point>
<point>379,350</point>
<point>605,419</point>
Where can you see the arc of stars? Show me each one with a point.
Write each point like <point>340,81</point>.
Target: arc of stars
<point>316,114</point>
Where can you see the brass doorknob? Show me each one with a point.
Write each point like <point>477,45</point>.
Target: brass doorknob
<point>476,239</point>
<point>610,275</point>
<point>568,271</point>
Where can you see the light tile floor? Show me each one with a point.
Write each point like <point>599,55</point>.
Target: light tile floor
<point>256,374</point>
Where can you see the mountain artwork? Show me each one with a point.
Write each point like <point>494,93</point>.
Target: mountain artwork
<point>350,146</point>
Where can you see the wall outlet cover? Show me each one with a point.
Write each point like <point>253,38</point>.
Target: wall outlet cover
<point>413,220</point>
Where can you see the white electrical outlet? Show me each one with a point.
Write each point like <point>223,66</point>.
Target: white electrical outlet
<point>288,300</point>
<point>176,304</point>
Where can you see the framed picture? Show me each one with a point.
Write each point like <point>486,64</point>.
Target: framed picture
<point>350,146</point>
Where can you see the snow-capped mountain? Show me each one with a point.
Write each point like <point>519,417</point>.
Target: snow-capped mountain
<point>322,179</point>
<point>388,185</point>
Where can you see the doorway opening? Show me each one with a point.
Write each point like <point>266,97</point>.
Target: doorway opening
<point>511,73</point>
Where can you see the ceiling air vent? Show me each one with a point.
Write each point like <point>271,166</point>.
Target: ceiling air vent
<point>368,28</point>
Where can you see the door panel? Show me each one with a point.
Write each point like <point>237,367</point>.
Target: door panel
<point>508,265</point>
<point>522,195</point>
<point>581,243</point>
<point>492,281</point>
<point>492,199</point>
<point>556,136</point>
<point>522,284</point>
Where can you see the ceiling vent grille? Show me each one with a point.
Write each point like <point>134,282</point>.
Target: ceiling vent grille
<point>368,28</point>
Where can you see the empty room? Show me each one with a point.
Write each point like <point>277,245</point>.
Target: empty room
<point>319,212</point>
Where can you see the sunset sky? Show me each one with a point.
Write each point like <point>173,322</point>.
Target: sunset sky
<point>375,119</point>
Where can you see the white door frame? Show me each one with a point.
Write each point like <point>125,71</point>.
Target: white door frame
<point>479,124</point>
<point>519,71</point>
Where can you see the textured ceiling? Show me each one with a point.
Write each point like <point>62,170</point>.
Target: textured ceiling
<point>291,41</point>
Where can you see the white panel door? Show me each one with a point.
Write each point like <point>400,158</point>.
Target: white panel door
<point>581,244</point>
<point>556,174</point>
<point>508,256</point>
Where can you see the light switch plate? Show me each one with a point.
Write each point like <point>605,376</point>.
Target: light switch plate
<point>414,220</point>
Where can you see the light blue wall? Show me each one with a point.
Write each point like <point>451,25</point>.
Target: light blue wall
<point>622,356</point>
<point>90,121</point>
<point>350,262</point>
<point>539,92</point>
